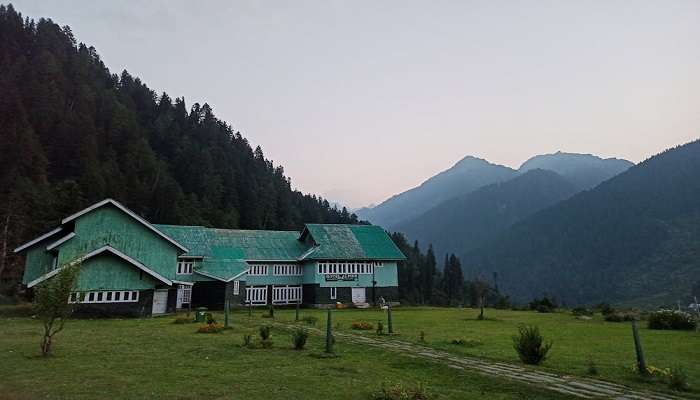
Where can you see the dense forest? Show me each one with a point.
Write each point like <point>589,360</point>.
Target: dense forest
<point>72,133</point>
<point>634,239</point>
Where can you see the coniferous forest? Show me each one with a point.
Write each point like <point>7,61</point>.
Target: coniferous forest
<point>73,133</point>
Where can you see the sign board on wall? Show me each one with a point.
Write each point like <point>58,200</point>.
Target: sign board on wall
<point>341,277</point>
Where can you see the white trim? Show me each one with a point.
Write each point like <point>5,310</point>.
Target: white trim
<point>61,241</point>
<point>100,251</point>
<point>183,283</point>
<point>218,278</point>
<point>128,212</point>
<point>193,257</point>
<point>37,240</point>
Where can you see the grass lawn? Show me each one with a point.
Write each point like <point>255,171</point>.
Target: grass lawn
<point>608,344</point>
<point>154,358</point>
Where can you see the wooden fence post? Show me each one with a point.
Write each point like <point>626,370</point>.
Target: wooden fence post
<point>641,364</point>
<point>329,333</point>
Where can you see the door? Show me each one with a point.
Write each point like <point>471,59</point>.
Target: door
<point>358,295</point>
<point>160,302</point>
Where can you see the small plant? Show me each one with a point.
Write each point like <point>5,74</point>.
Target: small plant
<point>380,328</point>
<point>264,332</point>
<point>421,338</point>
<point>310,319</point>
<point>210,318</point>
<point>530,346</point>
<point>591,367</point>
<point>362,326</point>
<point>399,392</point>
<point>247,340</point>
<point>210,328</point>
<point>671,320</point>
<point>299,337</point>
<point>678,379</point>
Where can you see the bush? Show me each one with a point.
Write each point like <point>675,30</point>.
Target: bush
<point>380,328</point>
<point>421,338</point>
<point>591,367</point>
<point>264,332</point>
<point>678,379</point>
<point>604,308</point>
<point>362,326</point>
<point>621,316</point>
<point>543,305</point>
<point>299,337</point>
<point>210,318</point>
<point>671,320</point>
<point>529,344</point>
<point>310,319</point>
<point>210,328</point>
<point>247,340</point>
<point>581,311</point>
<point>398,392</point>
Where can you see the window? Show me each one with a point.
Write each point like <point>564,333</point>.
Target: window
<point>111,296</point>
<point>185,267</point>
<point>334,293</point>
<point>258,270</point>
<point>236,287</point>
<point>184,294</point>
<point>286,270</point>
<point>286,294</point>
<point>346,267</point>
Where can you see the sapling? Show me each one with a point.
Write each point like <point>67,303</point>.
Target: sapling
<point>52,305</point>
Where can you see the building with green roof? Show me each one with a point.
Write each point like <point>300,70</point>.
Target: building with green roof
<point>129,266</point>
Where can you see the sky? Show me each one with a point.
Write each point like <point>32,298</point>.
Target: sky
<point>360,100</point>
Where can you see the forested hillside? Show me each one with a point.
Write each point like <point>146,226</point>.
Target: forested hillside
<point>72,133</point>
<point>634,238</point>
<point>469,221</point>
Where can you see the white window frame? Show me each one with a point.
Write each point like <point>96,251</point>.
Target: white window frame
<point>258,270</point>
<point>185,267</point>
<point>286,294</point>
<point>286,270</point>
<point>236,288</point>
<point>98,297</point>
<point>347,267</point>
<point>259,294</point>
<point>334,293</point>
<point>184,295</point>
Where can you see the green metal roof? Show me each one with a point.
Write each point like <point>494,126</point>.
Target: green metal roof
<point>236,244</point>
<point>222,269</point>
<point>336,241</point>
<point>332,241</point>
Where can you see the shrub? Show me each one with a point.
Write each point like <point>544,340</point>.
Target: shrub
<point>247,340</point>
<point>421,338</point>
<point>671,320</point>
<point>529,344</point>
<point>210,318</point>
<point>362,326</point>
<point>398,392</point>
<point>299,337</point>
<point>581,311</point>
<point>591,367</point>
<point>310,319</point>
<point>264,332</point>
<point>210,328</point>
<point>380,328</point>
<point>678,379</point>
<point>621,316</point>
<point>543,305</point>
<point>604,308</point>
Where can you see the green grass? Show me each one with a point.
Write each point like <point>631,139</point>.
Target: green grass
<point>609,344</point>
<point>155,358</point>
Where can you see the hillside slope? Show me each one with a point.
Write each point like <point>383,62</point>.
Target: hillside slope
<point>635,238</point>
<point>468,221</point>
<point>465,176</point>
<point>585,171</point>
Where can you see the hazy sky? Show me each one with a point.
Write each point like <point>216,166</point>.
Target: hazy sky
<point>360,100</point>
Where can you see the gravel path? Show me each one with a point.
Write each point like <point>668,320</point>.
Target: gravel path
<point>573,386</point>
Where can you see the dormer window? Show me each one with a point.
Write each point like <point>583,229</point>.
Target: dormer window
<point>185,267</point>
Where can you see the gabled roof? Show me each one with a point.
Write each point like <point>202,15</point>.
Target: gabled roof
<point>37,240</point>
<point>101,250</point>
<point>129,213</point>
<point>237,244</point>
<point>222,270</point>
<point>340,241</point>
